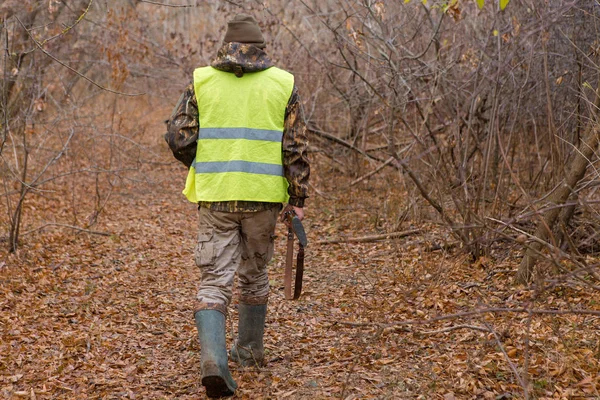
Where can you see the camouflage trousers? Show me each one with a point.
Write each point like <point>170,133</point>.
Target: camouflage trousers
<point>230,242</point>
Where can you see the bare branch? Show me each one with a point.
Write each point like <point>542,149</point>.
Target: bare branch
<point>39,46</point>
<point>376,170</point>
<point>468,314</point>
<point>69,27</point>
<point>183,5</point>
<point>77,228</point>
<point>371,238</point>
<point>456,327</point>
<point>168,5</point>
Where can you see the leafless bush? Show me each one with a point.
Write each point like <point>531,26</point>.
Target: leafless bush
<point>60,155</point>
<point>481,110</point>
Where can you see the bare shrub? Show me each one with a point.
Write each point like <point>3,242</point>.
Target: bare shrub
<point>480,110</point>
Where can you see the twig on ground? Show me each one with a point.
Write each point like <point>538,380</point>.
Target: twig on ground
<point>444,246</point>
<point>467,314</point>
<point>511,364</point>
<point>456,327</point>
<point>156,3</point>
<point>77,228</point>
<point>371,238</point>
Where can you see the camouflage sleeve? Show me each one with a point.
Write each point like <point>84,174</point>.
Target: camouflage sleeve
<point>296,166</point>
<point>182,127</point>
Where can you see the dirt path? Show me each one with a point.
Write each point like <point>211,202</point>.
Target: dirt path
<point>110,317</point>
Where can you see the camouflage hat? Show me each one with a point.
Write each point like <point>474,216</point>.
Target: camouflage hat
<point>243,28</point>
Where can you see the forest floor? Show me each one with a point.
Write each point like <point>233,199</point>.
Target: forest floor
<point>86,316</point>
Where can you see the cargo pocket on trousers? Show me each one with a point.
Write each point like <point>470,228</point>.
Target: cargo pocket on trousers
<point>205,250</point>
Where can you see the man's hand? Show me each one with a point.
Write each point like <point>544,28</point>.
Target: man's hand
<point>299,211</point>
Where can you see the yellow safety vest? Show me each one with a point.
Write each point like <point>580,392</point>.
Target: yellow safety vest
<point>239,155</point>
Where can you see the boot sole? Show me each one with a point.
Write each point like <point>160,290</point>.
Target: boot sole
<point>216,387</point>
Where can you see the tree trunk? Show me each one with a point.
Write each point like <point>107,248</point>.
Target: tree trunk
<point>582,157</point>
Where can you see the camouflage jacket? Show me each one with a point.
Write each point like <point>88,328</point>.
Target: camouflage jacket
<point>183,126</point>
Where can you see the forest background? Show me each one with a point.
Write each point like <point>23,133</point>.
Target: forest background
<point>453,218</point>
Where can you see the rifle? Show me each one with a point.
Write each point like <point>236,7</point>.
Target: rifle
<point>294,227</point>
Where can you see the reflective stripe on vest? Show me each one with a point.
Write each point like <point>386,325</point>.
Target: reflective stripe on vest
<point>239,154</point>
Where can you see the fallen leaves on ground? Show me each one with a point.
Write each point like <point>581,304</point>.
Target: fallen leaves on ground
<point>105,317</point>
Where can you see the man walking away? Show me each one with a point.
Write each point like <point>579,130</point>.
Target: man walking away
<point>239,129</point>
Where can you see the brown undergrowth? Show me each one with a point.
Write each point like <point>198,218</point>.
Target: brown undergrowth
<point>86,316</point>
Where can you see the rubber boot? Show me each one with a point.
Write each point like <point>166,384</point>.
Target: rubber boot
<point>216,377</point>
<point>248,349</point>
